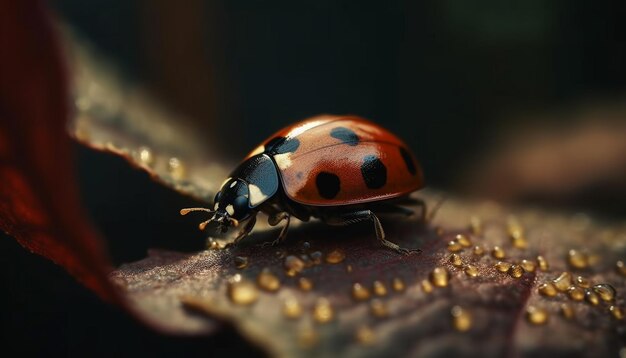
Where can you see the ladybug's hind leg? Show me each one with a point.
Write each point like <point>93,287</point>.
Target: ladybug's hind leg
<point>363,215</point>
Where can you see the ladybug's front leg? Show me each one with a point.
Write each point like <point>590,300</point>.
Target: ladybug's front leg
<point>246,230</point>
<point>274,220</point>
<point>362,215</point>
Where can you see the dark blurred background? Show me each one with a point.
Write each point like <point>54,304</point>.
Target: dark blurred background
<point>448,76</point>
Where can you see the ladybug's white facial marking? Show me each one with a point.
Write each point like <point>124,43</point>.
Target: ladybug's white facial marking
<point>283,160</point>
<point>256,195</point>
<point>230,210</point>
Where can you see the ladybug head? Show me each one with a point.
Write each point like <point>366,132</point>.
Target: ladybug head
<point>230,205</point>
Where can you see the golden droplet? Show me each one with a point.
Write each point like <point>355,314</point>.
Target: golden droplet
<point>516,271</point>
<point>378,308</point>
<point>398,284</point>
<point>547,289</point>
<point>335,257</point>
<point>502,266</point>
<point>268,281</point>
<point>241,262</point>
<point>316,257</point>
<point>213,244</point>
<point>305,284</point>
<point>476,225</point>
<point>577,259</point>
<point>478,250</point>
<point>543,263</point>
<point>307,337</point>
<point>463,240</point>
<point>582,282</point>
<point>520,243</point>
<point>528,266</point>
<point>349,268</point>
<point>498,253</point>
<point>576,293</point>
<point>379,288</point>
<point>617,312</point>
<point>242,292</point>
<point>461,319</point>
<point>292,308</point>
<point>592,298</point>
<point>323,311</point>
<point>293,265</point>
<point>365,336</point>
<point>439,277</point>
<point>471,271</point>
<point>567,311</point>
<point>455,260</point>
<point>536,315</point>
<point>454,246</point>
<point>515,229</point>
<point>620,266</point>
<point>605,291</point>
<point>145,156</point>
<point>563,282</point>
<point>427,287</point>
<point>360,292</point>
<point>176,168</point>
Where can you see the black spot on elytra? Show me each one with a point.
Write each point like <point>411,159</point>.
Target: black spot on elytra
<point>410,166</point>
<point>281,145</point>
<point>327,185</point>
<point>374,172</point>
<point>347,136</point>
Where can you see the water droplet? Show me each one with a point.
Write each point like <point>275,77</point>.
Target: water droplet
<point>454,246</point>
<point>620,266</point>
<point>292,308</point>
<point>516,271</point>
<point>543,263</point>
<point>323,311</point>
<point>463,240</point>
<point>365,336</point>
<point>461,319</point>
<point>617,312</point>
<point>515,229</point>
<point>305,284</point>
<point>577,259</point>
<point>567,311</point>
<point>214,244</point>
<point>268,281</point>
<point>316,257</point>
<point>478,250</point>
<point>145,156</point>
<point>378,308</point>
<point>563,282</point>
<point>471,271</point>
<point>498,253</point>
<point>427,287</point>
<point>519,243</point>
<point>536,315</point>
<point>398,284</point>
<point>547,289</point>
<point>455,260</point>
<point>592,298</point>
<point>306,260</point>
<point>576,293</point>
<point>582,282</point>
<point>348,268</point>
<point>293,265</point>
<point>476,225</point>
<point>528,266</point>
<point>360,292</point>
<point>307,337</point>
<point>306,246</point>
<point>605,291</point>
<point>379,288</point>
<point>439,277</point>
<point>176,168</point>
<point>335,257</point>
<point>242,292</point>
<point>502,266</point>
<point>241,262</point>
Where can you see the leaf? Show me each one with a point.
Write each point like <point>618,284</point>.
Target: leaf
<point>173,287</point>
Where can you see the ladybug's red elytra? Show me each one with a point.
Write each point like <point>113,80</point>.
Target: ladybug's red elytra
<point>340,169</point>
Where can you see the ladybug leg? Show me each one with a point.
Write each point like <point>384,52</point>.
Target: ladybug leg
<point>274,220</point>
<point>394,209</point>
<point>245,231</point>
<point>363,215</point>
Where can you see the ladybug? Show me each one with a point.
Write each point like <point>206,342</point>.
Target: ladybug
<point>339,169</point>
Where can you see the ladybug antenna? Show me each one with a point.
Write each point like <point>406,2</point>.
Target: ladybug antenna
<point>433,212</point>
<point>203,224</point>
